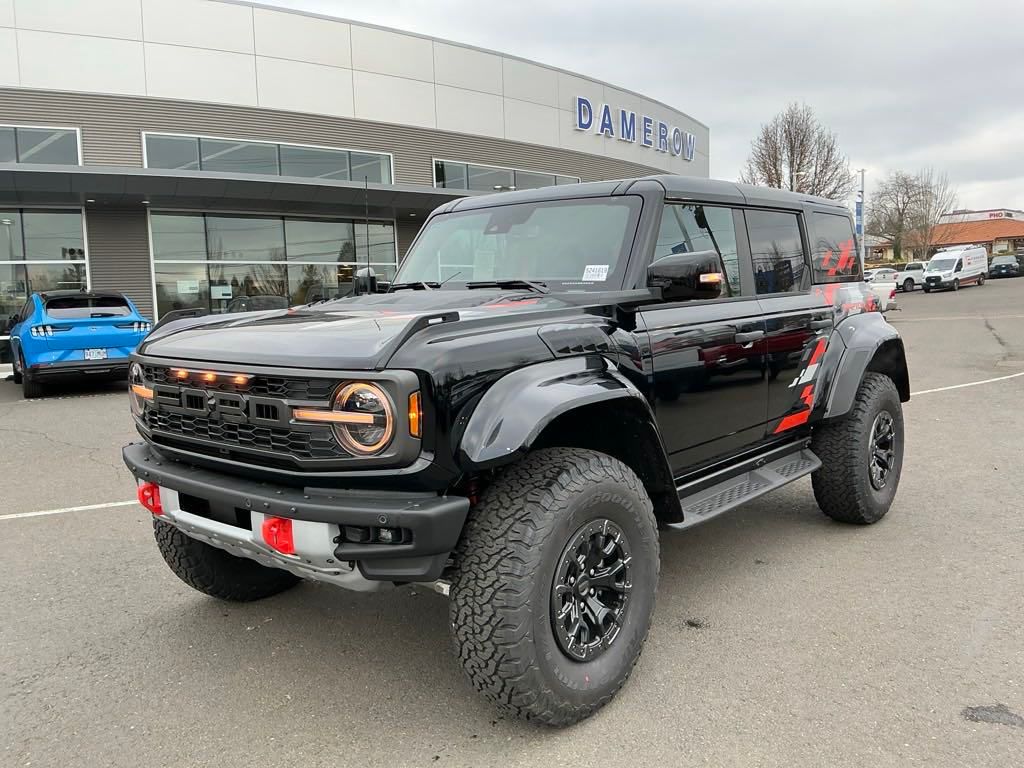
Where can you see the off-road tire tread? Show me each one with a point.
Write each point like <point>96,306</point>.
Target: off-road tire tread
<point>495,565</point>
<point>215,572</point>
<point>835,485</point>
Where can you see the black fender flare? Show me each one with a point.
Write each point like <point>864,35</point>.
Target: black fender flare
<point>517,408</point>
<point>869,343</point>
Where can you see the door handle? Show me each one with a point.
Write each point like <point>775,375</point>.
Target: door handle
<point>819,325</point>
<point>746,338</point>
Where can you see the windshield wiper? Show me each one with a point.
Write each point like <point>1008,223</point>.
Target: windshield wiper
<point>510,283</point>
<point>416,285</point>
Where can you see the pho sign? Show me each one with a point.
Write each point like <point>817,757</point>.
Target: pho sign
<point>625,125</point>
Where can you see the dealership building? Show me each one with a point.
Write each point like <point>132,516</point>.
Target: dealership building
<point>192,153</point>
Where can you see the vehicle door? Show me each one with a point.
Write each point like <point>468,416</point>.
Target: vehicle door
<point>709,389</point>
<point>796,299</point>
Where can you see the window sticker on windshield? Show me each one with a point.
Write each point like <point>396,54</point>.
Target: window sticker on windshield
<point>595,272</point>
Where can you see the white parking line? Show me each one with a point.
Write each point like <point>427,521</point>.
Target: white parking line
<point>944,318</point>
<point>61,511</point>
<point>968,384</point>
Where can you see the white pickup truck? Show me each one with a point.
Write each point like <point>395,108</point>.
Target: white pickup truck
<point>911,276</point>
<point>885,293</point>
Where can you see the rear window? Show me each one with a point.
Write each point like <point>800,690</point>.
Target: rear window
<point>78,307</point>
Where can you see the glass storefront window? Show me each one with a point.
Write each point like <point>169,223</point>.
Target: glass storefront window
<point>373,168</point>
<point>53,146</point>
<point>451,175</point>
<point>55,277</point>
<point>28,239</point>
<point>12,293</point>
<point>381,243</point>
<point>8,146</point>
<point>179,236</point>
<point>314,163</point>
<point>221,250</point>
<point>320,240</point>
<point>245,238</point>
<point>53,235</point>
<point>482,178</point>
<point>231,282</point>
<point>181,286</point>
<point>176,152</point>
<point>11,246</point>
<point>487,178</point>
<point>531,180</point>
<point>238,156</point>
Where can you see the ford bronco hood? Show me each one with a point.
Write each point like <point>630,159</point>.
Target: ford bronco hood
<point>356,333</point>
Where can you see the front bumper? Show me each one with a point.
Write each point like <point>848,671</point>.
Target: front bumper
<point>228,512</point>
<point>115,367</point>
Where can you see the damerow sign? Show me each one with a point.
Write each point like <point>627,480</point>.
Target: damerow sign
<point>660,136</point>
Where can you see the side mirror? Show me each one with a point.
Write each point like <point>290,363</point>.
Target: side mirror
<point>687,276</point>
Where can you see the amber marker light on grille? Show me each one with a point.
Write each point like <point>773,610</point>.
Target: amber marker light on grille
<point>141,391</point>
<point>180,373</point>
<point>240,380</point>
<point>332,417</point>
<point>209,377</point>
<point>415,415</point>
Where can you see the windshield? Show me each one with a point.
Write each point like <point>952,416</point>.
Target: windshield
<point>940,265</point>
<point>1003,260</point>
<point>580,244</point>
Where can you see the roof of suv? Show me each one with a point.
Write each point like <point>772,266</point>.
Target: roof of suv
<point>676,187</point>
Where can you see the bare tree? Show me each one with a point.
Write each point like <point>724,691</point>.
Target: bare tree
<point>890,213</point>
<point>935,197</point>
<point>795,151</point>
<point>908,211</point>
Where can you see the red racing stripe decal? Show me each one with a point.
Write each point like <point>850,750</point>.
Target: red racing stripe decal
<point>818,351</point>
<point>793,420</point>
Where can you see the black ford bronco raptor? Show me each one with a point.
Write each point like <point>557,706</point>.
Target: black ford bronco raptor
<point>555,377</point>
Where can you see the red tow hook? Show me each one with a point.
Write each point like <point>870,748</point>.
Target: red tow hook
<point>149,497</point>
<point>277,532</point>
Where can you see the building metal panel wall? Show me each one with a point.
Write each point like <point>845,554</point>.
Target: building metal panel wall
<point>407,231</point>
<point>112,126</point>
<point>119,254</point>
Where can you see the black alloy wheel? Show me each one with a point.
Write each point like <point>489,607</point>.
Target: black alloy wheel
<point>590,591</point>
<point>883,450</point>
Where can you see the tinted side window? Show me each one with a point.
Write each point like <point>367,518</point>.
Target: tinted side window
<point>690,228</point>
<point>777,251</point>
<point>834,251</point>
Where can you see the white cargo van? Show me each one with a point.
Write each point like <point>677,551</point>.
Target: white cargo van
<point>953,267</point>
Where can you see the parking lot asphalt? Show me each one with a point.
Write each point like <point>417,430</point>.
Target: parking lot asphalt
<point>779,638</point>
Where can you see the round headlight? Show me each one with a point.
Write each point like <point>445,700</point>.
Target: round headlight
<point>372,423</point>
<point>135,377</point>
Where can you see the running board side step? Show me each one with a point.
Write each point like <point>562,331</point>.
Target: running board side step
<point>706,503</point>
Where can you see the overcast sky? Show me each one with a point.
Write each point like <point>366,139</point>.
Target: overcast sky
<point>904,83</point>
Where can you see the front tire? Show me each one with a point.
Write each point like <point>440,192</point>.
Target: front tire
<point>956,284</point>
<point>861,455</point>
<point>216,573</point>
<point>908,285</point>
<point>554,585</point>
<point>926,289</point>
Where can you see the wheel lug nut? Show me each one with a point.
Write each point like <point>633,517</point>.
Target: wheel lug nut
<point>593,591</point>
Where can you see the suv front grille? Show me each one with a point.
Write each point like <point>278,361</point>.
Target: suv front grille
<point>264,386</point>
<point>316,443</point>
